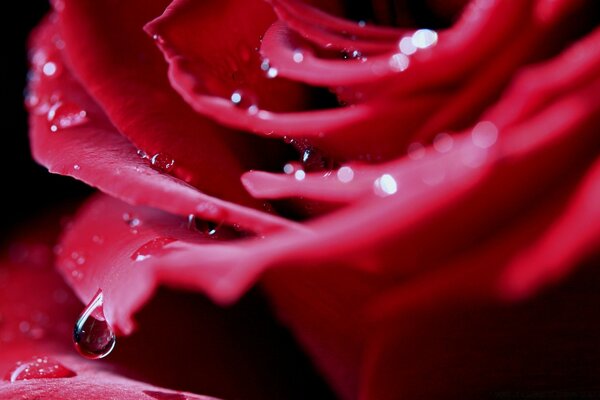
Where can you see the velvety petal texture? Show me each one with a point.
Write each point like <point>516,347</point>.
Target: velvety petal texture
<point>419,203</point>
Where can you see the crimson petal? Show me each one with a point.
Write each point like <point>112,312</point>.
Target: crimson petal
<point>132,89</point>
<point>92,150</point>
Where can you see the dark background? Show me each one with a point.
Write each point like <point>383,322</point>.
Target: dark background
<point>28,189</point>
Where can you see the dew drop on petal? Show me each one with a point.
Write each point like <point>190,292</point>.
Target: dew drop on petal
<point>157,38</point>
<point>208,228</point>
<point>38,368</point>
<point>92,335</point>
<point>162,162</point>
<point>245,100</point>
<point>298,56</point>
<point>399,62</point>
<point>385,185</point>
<point>424,38</point>
<point>63,115</point>
<point>272,73</point>
<point>299,175</point>
<point>406,46</point>
<point>50,69</point>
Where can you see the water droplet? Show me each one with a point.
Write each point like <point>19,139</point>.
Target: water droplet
<point>272,73</point>
<point>151,248</point>
<point>65,115</point>
<point>158,38</point>
<point>345,174</point>
<point>265,65</point>
<point>243,99</point>
<point>208,228</point>
<point>299,175</point>
<point>50,68</point>
<point>362,23</point>
<point>142,154</point>
<point>385,185</point>
<point>351,54</point>
<point>162,162</point>
<point>92,335</point>
<point>76,167</point>
<point>38,368</point>
<point>132,221</point>
<point>399,62</point>
<point>298,56</point>
<point>424,38</point>
<point>406,46</point>
<point>289,168</point>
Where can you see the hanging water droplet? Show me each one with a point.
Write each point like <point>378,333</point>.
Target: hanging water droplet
<point>65,115</point>
<point>162,162</point>
<point>38,368</point>
<point>92,335</point>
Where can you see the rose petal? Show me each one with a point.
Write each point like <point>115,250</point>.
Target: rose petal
<point>187,32</point>
<point>132,88</point>
<point>95,153</point>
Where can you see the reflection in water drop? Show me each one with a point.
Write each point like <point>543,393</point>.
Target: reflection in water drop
<point>162,162</point>
<point>38,368</point>
<point>208,228</point>
<point>92,335</point>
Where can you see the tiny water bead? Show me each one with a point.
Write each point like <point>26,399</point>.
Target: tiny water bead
<point>38,368</point>
<point>92,335</point>
<point>62,115</point>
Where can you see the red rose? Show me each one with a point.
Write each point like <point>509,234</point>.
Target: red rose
<point>420,206</point>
